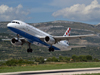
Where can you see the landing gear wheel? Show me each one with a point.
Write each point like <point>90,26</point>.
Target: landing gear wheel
<point>29,50</point>
<point>51,49</point>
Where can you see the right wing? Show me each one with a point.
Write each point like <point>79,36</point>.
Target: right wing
<point>60,38</point>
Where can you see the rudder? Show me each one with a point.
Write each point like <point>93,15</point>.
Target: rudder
<point>68,31</point>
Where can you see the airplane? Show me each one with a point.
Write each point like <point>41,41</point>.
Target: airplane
<point>32,34</point>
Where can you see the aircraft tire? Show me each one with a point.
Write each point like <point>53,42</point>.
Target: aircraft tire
<point>29,50</point>
<point>51,49</point>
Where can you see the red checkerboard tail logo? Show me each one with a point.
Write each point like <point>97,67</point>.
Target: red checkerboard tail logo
<point>67,33</point>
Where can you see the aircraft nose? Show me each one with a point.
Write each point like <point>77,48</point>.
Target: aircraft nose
<point>9,25</point>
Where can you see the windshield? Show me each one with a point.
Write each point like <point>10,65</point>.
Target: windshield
<point>15,22</point>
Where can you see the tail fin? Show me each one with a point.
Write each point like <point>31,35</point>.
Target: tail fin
<point>68,31</point>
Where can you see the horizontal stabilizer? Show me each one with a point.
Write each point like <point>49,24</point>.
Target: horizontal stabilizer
<point>70,47</point>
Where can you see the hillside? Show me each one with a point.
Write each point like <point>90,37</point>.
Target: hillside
<point>8,51</point>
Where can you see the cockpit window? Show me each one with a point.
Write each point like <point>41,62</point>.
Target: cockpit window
<point>15,22</point>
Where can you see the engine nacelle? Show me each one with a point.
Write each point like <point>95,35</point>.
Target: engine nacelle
<point>16,42</point>
<point>49,40</point>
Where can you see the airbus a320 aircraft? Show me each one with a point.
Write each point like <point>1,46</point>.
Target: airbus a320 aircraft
<point>32,34</point>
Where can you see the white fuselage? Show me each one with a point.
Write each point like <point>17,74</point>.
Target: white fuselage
<point>32,34</point>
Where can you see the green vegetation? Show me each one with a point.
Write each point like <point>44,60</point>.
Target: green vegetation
<point>8,51</point>
<point>82,58</point>
<point>14,62</point>
<point>49,66</point>
<point>41,60</point>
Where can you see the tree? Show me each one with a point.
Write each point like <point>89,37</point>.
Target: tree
<point>40,60</point>
<point>52,59</point>
<point>12,62</point>
<point>75,58</point>
<point>89,57</point>
<point>60,58</point>
<point>82,58</point>
<point>64,59</point>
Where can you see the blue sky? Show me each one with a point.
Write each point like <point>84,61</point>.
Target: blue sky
<point>36,11</point>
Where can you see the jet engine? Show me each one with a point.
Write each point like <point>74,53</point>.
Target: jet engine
<point>49,40</point>
<point>16,42</point>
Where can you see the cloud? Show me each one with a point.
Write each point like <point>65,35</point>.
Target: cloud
<point>81,12</point>
<point>9,13</point>
<point>66,3</point>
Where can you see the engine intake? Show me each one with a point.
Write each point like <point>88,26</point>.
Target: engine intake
<point>16,42</point>
<point>49,40</point>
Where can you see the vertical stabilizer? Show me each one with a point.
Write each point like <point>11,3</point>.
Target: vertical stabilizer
<point>68,31</point>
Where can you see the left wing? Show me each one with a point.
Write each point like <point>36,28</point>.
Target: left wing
<point>6,39</point>
<point>22,39</point>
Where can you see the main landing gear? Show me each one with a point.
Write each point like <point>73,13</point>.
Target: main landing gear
<point>29,49</point>
<point>51,49</point>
